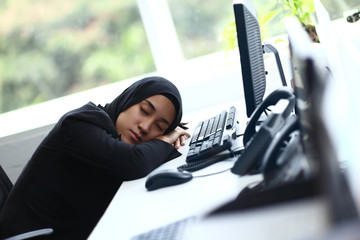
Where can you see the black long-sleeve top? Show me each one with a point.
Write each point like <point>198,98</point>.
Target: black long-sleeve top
<point>74,174</point>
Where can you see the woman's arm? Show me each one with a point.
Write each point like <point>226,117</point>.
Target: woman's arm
<point>93,145</point>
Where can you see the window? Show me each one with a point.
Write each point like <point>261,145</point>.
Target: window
<point>49,49</point>
<point>200,25</point>
<point>56,48</point>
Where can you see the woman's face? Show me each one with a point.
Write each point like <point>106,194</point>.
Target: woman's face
<point>145,120</point>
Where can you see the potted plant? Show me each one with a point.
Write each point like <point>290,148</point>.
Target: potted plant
<point>301,9</point>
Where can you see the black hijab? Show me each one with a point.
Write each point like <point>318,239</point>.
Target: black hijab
<point>141,90</point>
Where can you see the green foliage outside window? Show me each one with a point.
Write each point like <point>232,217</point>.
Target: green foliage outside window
<point>270,15</point>
<point>53,48</point>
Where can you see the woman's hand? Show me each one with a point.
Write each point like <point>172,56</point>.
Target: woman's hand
<point>177,137</point>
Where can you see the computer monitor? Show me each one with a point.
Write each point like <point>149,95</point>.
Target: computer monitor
<point>311,78</point>
<point>251,54</point>
<point>304,77</point>
<point>341,42</point>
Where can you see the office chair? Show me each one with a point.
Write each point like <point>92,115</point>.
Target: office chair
<point>5,188</point>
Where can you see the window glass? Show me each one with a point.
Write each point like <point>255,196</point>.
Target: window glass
<point>208,27</point>
<point>337,9</point>
<point>54,48</point>
<point>200,24</point>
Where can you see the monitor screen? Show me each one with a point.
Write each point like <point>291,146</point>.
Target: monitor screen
<point>251,54</point>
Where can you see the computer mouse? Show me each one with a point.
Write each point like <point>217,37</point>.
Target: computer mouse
<point>166,178</point>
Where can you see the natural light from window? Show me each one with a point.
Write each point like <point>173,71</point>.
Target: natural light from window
<point>58,55</point>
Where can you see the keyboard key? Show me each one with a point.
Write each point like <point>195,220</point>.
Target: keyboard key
<point>231,118</point>
<point>209,127</point>
<point>216,123</point>
<point>196,133</point>
<point>203,130</point>
<point>172,231</point>
<point>221,121</point>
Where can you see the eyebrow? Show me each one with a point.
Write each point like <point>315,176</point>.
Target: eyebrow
<point>153,107</point>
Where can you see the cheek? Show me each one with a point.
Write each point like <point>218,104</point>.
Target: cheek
<point>119,125</point>
<point>153,133</point>
<point>122,122</point>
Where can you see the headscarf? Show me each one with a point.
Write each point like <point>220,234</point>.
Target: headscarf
<point>141,90</point>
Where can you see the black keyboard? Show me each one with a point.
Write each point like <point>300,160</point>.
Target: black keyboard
<point>172,231</point>
<point>209,137</point>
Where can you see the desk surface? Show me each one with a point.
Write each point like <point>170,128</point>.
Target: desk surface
<point>135,210</point>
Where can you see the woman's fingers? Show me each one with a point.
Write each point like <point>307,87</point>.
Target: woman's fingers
<point>177,143</point>
<point>181,139</point>
<point>177,137</point>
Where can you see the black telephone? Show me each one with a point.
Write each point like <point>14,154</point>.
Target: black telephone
<point>256,142</point>
<point>270,100</point>
<point>284,160</point>
<point>286,173</point>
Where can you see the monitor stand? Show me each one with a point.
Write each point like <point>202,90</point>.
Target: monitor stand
<point>268,48</point>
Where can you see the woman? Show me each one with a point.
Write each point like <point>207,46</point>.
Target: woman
<point>79,166</point>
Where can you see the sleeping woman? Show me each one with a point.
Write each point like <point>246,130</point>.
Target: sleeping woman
<point>77,169</point>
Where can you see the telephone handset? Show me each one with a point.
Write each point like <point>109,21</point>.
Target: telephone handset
<point>256,142</point>
<point>283,160</point>
<point>285,170</point>
<point>270,100</point>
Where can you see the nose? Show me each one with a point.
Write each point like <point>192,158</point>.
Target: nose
<point>144,126</point>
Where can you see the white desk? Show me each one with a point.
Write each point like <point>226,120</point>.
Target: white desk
<point>135,210</point>
<point>305,219</point>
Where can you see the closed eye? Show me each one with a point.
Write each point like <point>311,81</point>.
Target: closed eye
<point>144,111</point>
<point>159,127</point>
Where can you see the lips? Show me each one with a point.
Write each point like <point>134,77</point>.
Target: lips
<point>136,138</point>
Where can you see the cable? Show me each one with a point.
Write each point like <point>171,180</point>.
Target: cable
<point>210,174</point>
